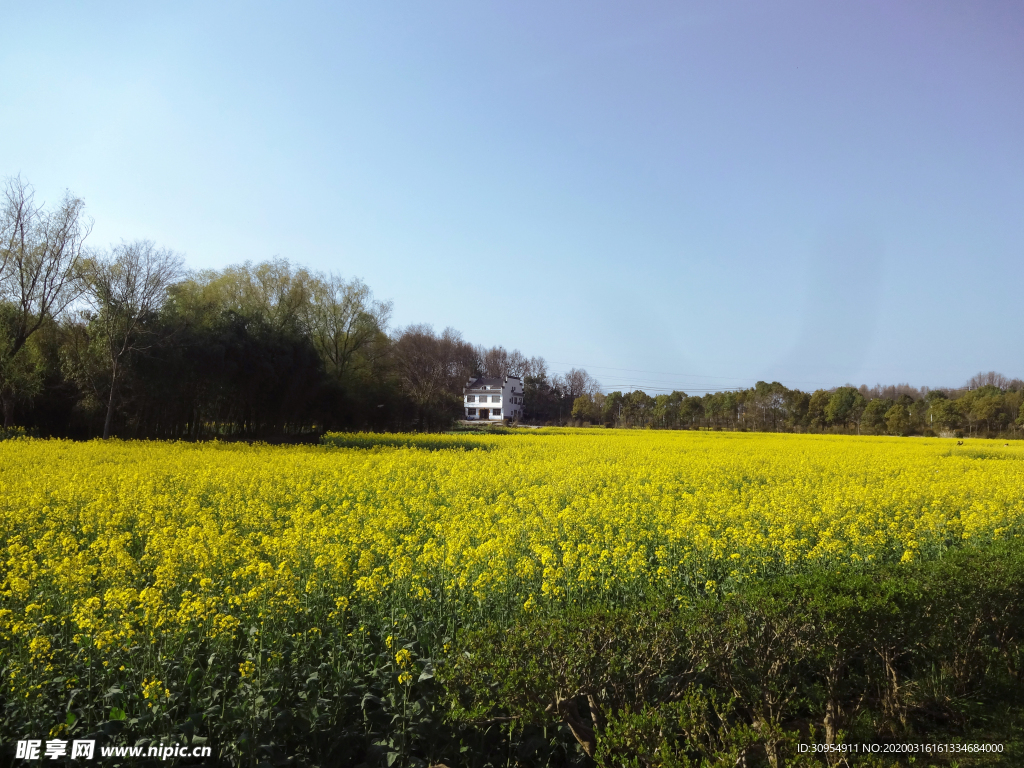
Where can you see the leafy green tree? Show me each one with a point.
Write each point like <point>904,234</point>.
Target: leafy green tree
<point>797,404</point>
<point>40,253</point>
<point>845,405</point>
<point>637,408</point>
<point>1012,401</point>
<point>585,409</point>
<point>21,373</point>
<point>712,408</point>
<point>897,419</point>
<point>873,419</point>
<point>666,409</point>
<point>611,410</point>
<point>986,406</point>
<point>541,401</point>
<point>983,408</point>
<point>816,415</point>
<point>943,413</point>
<point>769,403</point>
<point>691,409</point>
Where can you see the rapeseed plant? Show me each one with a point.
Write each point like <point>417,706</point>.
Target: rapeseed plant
<point>149,556</point>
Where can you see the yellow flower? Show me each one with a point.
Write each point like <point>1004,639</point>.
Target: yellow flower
<point>163,546</point>
<point>39,648</point>
<point>152,690</point>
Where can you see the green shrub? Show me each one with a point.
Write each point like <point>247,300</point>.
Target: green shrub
<point>908,652</point>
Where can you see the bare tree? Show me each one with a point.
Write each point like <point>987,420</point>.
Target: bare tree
<point>535,368</point>
<point>517,364</point>
<point>124,290</point>
<point>433,368</point>
<point>497,362</point>
<point>40,252</point>
<point>342,319</point>
<point>494,362</point>
<point>989,379</point>
<point>16,222</point>
<point>578,382</point>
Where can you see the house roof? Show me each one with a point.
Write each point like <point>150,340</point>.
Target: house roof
<point>485,381</point>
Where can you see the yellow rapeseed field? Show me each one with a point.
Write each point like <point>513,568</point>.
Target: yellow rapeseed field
<point>108,546</point>
<point>120,536</point>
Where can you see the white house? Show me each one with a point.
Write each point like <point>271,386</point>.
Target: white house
<point>494,399</point>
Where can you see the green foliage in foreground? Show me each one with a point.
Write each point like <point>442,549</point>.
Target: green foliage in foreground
<point>930,653</point>
<point>922,653</point>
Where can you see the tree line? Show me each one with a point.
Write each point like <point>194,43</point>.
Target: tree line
<point>989,405</point>
<point>126,342</point>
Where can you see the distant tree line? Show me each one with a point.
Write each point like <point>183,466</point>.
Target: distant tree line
<point>126,342</point>
<point>989,405</point>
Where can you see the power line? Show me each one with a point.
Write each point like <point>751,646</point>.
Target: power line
<point>658,373</point>
<point>687,390</point>
<point>681,375</point>
<point>734,378</point>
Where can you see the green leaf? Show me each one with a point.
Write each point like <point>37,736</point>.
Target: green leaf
<point>71,719</point>
<point>116,713</point>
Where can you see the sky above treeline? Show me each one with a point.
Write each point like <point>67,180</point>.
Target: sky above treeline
<point>690,195</point>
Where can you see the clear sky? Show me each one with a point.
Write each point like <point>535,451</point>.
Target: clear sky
<point>672,194</point>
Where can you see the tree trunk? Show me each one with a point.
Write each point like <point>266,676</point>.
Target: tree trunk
<point>110,406</point>
<point>584,734</point>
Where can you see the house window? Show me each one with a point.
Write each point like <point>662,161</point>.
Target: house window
<point>470,398</point>
<point>471,411</point>
<point>495,399</point>
<point>496,411</point>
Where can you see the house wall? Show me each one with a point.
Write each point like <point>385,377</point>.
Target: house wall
<point>510,392</point>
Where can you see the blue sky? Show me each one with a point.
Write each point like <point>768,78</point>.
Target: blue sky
<point>682,195</point>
